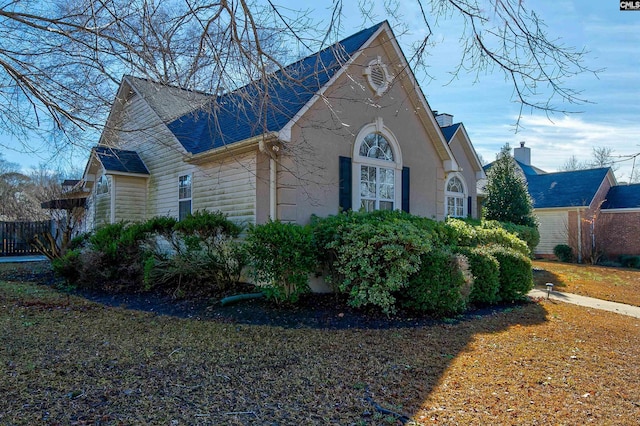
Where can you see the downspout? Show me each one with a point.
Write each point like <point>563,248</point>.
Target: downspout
<point>112,200</point>
<point>271,150</point>
<point>579,236</point>
<point>273,202</point>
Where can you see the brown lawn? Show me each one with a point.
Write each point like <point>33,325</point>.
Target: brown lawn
<point>614,284</point>
<point>64,360</point>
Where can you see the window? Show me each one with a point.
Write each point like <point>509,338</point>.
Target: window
<point>102,186</point>
<point>377,169</point>
<point>455,196</point>
<point>184,196</point>
<point>377,188</point>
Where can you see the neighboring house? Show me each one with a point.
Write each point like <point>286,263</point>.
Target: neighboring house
<point>585,209</point>
<point>346,128</point>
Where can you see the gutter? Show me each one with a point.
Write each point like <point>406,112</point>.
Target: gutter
<point>235,148</point>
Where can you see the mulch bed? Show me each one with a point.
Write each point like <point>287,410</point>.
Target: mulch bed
<point>314,310</point>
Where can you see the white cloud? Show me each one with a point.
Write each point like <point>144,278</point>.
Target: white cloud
<point>553,142</point>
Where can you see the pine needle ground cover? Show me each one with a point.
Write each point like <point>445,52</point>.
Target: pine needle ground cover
<point>614,284</point>
<point>65,360</point>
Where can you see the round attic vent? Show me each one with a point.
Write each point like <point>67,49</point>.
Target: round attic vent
<point>377,76</point>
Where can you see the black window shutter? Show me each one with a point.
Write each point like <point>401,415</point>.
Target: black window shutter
<point>405,189</point>
<point>344,176</point>
<point>469,207</point>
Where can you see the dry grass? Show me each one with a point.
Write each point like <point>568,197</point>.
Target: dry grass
<point>614,284</point>
<point>66,361</point>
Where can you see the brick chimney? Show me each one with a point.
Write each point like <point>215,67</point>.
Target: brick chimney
<point>444,119</point>
<point>522,154</point>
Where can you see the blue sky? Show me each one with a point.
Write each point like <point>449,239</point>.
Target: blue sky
<point>484,104</point>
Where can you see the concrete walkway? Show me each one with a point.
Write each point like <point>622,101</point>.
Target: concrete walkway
<point>589,302</point>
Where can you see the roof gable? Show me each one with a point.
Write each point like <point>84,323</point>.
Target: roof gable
<point>120,161</point>
<point>267,105</point>
<point>565,189</point>
<point>449,131</point>
<point>623,197</point>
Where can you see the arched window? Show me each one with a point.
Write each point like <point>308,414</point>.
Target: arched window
<point>376,169</point>
<point>455,194</point>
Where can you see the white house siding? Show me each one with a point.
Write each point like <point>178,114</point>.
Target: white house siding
<point>131,198</point>
<point>144,132</point>
<point>101,209</point>
<point>225,185</point>
<point>228,186</point>
<point>553,230</point>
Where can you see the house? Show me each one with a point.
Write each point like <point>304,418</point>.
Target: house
<point>345,128</point>
<point>585,209</point>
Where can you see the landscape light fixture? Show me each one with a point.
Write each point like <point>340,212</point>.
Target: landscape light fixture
<point>549,288</point>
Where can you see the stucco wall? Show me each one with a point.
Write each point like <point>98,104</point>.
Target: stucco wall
<point>308,174</point>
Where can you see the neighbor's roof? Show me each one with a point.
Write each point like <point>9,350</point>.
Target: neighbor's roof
<point>267,105</point>
<point>449,131</point>
<point>623,197</point>
<point>565,189</point>
<point>120,161</point>
<point>527,170</point>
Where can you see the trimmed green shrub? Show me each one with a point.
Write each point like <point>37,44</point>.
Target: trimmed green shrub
<point>375,259</point>
<point>629,261</point>
<point>528,234</point>
<point>461,233</point>
<point>205,258</point>
<point>208,226</point>
<point>516,275</point>
<point>564,253</point>
<point>472,233</point>
<point>493,233</point>
<point>67,266</point>
<point>112,259</point>
<point>281,256</point>
<point>442,285</point>
<point>486,274</point>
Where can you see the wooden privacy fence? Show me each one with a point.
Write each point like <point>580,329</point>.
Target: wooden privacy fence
<point>15,237</point>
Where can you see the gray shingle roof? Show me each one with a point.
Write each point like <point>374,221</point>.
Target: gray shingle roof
<point>449,131</point>
<point>565,189</point>
<point>243,114</point>
<point>120,161</point>
<point>623,197</point>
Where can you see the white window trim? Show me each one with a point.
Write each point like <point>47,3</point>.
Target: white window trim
<point>357,160</point>
<point>448,194</point>
<point>186,198</point>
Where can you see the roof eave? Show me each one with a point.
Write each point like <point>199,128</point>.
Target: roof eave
<point>119,173</point>
<point>236,148</point>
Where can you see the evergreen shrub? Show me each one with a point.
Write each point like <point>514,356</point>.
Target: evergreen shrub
<point>564,253</point>
<point>486,274</point>
<point>442,285</point>
<point>516,275</point>
<point>375,258</point>
<point>281,256</point>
